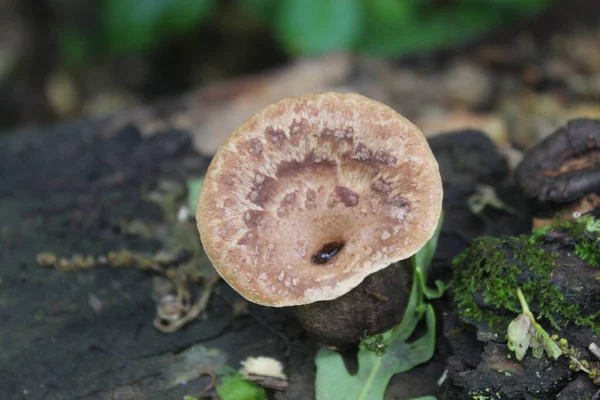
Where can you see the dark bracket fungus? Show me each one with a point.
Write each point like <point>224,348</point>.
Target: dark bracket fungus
<point>315,193</point>
<point>565,166</point>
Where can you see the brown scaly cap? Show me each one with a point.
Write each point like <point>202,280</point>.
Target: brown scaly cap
<point>314,193</point>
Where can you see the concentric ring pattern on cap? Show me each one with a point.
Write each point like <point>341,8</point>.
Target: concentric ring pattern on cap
<point>327,169</point>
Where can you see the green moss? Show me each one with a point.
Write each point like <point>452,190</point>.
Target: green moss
<point>587,234</point>
<point>479,395</point>
<point>376,344</point>
<point>493,268</point>
<point>589,251</point>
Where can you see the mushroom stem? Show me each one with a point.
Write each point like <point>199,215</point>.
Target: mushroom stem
<point>373,307</point>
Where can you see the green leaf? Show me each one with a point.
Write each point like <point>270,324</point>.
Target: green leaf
<point>592,225</point>
<point>382,356</point>
<point>318,26</point>
<point>235,387</point>
<point>537,350</point>
<point>421,261</point>
<point>549,345</point>
<point>519,335</point>
<point>384,20</point>
<point>374,372</point>
<point>423,258</point>
<point>518,6</point>
<point>376,369</point>
<point>74,46</point>
<point>181,16</point>
<point>225,370</point>
<point>130,25</point>
<point>136,26</point>
<point>188,364</point>
<point>436,293</point>
<point>263,10</point>
<point>430,28</point>
<point>193,189</point>
<point>524,332</point>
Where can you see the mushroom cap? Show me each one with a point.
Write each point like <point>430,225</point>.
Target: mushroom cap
<point>314,193</point>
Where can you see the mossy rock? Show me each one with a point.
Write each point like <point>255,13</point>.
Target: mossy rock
<point>556,267</point>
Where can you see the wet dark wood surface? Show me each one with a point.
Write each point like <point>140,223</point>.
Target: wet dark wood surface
<point>66,190</point>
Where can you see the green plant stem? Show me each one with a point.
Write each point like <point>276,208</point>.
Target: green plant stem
<point>369,381</point>
<point>524,305</point>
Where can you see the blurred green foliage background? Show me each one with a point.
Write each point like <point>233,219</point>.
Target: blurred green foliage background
<point>65,59</point>
<point>300,27</point>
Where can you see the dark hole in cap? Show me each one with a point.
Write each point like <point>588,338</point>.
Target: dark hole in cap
<point>326,253</point>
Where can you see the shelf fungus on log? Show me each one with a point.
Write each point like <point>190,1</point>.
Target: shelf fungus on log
<point>562,172</point>
<point>312,196</point>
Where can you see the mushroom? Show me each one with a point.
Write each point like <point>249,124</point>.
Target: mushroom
<point>312,196</point>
